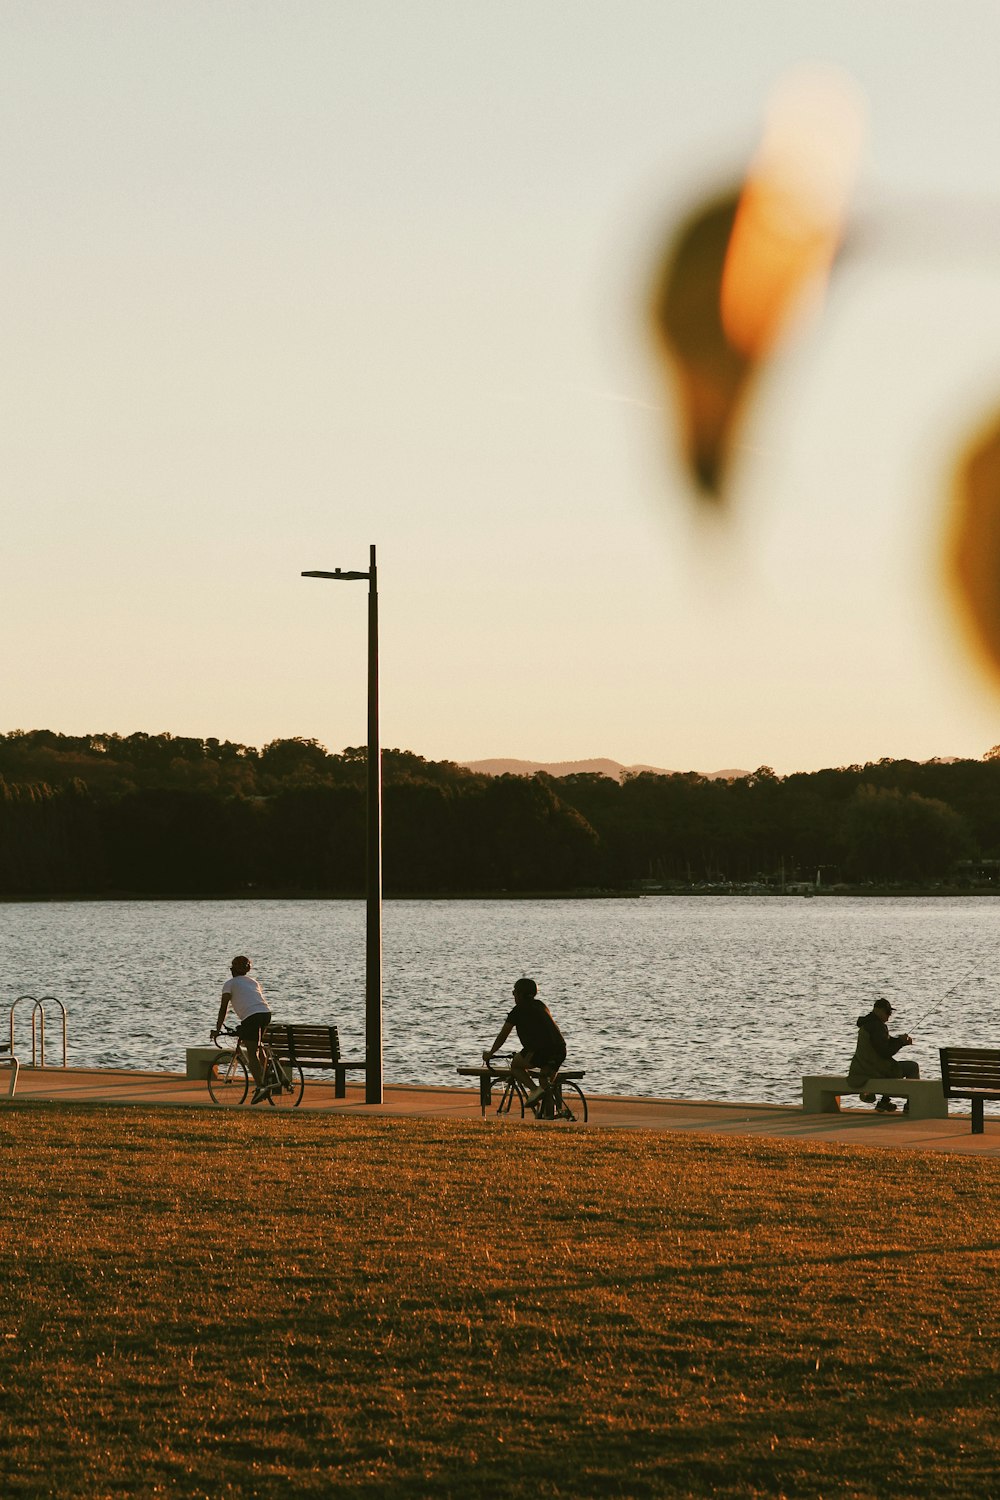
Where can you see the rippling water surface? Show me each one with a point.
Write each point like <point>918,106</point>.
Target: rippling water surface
<point>706,997</point>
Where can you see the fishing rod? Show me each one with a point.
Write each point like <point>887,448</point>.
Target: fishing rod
<point>935,1005</point>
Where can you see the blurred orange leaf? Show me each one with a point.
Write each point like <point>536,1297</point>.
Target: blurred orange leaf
<point>973,553</point>
<point>710,371</point>
<point>737,269</point>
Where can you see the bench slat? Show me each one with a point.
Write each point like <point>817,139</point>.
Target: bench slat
<point>979,1075</point>
<point>502,1073</point>
<point>295,1041</point>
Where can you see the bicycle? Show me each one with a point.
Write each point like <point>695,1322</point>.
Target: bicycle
<point>552,1105</point>
<point>230,1076</point>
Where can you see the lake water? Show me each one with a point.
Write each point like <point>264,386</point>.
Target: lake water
<point>706,997</point>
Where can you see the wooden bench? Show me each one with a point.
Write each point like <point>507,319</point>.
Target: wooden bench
<point>313,1047</point>
<point>971,1073</point>
<point>821,1094</point>
<point>8,1060</point>
<point>488,1076</point>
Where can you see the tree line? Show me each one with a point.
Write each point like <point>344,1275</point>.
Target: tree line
<point>162,815</point>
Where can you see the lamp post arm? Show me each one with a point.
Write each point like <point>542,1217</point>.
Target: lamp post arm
<point>337,573</point>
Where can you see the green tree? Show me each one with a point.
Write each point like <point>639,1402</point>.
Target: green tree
<point>894,835</point>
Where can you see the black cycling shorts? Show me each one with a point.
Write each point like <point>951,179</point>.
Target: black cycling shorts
<point>548,1063</point>
<point>250,1030</point>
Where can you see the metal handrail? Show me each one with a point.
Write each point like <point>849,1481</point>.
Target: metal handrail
<point>34,1010</point>
<point>38,1011</point>
<point>55,1001</point>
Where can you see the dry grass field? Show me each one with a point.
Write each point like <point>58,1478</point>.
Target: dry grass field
<point>253,1304</point>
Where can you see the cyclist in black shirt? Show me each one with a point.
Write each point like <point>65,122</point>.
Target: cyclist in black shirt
<point>542,1044</point>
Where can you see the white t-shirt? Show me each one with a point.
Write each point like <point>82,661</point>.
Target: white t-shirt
<point>245,996</point>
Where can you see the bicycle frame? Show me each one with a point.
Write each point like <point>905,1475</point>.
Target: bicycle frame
<point>551,1105</point>
<point>270,1069</point>
<point>277,1076</point>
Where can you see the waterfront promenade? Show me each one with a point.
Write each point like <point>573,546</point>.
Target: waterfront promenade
<point>856,1127</point>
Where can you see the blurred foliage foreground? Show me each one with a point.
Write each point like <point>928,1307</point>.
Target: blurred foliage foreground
<point>154,814</point>
<point>407,1311</point>
<point>747,268</point>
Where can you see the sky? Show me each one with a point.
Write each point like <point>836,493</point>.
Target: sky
<point>283,281</point>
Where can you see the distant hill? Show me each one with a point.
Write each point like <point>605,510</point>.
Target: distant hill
<point>612,768</point>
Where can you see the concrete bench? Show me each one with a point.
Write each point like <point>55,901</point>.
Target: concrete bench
<point>198,1060</point>
<point>821,1094</point>
<point>8,1060</point>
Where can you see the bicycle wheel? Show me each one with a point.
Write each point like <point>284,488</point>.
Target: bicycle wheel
<point>227,1079</point>
<point>512,1094</point>
<point>292,1083</point>
<point>575,1107</point>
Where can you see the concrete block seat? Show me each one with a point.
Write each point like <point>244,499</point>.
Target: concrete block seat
<point>199,1060</point>
<point>821,1094</point>
<point>8,1060</point>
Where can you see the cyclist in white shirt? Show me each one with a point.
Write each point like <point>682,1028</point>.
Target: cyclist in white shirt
<point>247,999</point>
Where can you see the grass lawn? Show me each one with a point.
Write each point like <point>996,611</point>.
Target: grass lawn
<point>418,1308</point>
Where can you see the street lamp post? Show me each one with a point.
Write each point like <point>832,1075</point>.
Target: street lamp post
<point>373,929</point>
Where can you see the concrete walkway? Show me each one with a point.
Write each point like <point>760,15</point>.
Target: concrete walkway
<point>855,1127</point>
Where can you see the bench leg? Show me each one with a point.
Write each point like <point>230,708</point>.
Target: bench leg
<point>15,1068</point>
<point>817,1100</point>
<point>485,1091</point>
<point>928,1103</point>
<point>340,1083</point>
<point>977,1117</point>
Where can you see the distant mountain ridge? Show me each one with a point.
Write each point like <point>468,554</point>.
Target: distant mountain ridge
<point>601,767</point>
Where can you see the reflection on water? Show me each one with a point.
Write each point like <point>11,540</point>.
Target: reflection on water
<point>710,997</point>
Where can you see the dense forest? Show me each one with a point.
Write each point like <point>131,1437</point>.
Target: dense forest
<point>145,814</point>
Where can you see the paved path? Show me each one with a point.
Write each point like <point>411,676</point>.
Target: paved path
<point>856,1127</point>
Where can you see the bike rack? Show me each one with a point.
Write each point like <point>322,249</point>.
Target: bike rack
<point>38,1017</point>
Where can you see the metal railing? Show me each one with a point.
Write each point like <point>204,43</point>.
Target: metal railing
<point>38,1027</point>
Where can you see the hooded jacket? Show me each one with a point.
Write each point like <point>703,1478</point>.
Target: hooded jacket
<point>875,1050</point>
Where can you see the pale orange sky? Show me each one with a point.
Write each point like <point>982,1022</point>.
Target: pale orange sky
<point>283,281</point>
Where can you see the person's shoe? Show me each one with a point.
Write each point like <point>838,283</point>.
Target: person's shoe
<point>259,1095</point>
<point>867,1098</point>
<point>535,1095</point>
<point>885,1107</point>
<point>906,1107</point>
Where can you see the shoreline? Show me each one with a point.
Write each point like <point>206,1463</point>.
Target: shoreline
<point>895,893</point>
<point>612,1113</point>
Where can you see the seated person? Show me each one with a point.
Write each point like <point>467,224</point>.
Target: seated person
<point>542,1044</point>
<point>875,1055</point>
